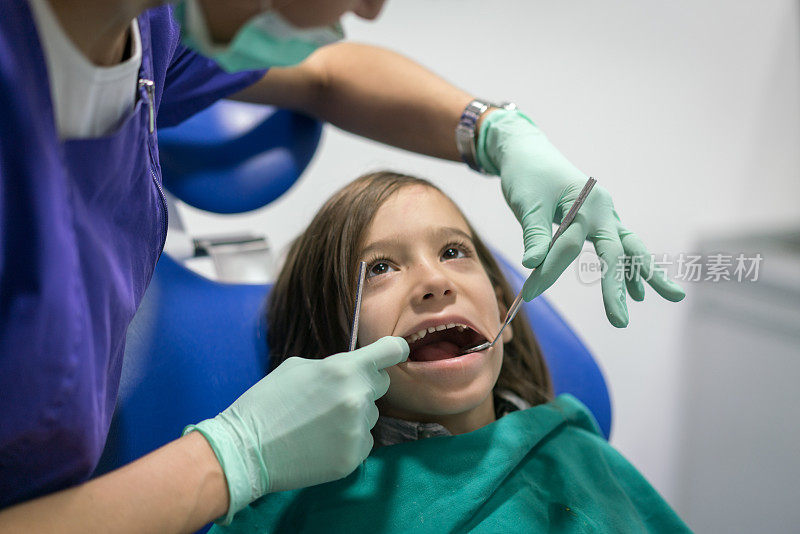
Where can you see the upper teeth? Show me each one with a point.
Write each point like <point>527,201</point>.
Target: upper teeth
<point>419,335</point>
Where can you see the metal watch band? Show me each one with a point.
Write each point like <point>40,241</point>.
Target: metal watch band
<point>465,131</point>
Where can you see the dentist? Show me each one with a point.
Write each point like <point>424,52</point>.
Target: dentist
<point>84,87</point>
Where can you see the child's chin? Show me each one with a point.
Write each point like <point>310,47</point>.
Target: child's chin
<point>426,407</point>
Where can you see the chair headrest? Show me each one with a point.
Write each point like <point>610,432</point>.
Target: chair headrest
<point>235,157</point>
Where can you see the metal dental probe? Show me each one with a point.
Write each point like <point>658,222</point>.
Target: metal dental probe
<point>512,311</point>
<point>362,274</point>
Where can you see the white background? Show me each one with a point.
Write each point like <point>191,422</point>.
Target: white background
<point>688,112</point>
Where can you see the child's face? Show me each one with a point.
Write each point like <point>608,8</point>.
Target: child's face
<point>422,272</point>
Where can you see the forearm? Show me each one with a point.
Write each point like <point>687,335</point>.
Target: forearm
<point>371,92</point>
<point>177,488</point>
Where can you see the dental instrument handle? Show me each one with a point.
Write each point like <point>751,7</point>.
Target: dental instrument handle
<point>573,211</point>
<point>362,274</point>
<point>565,222</point>
<point>512,312</point>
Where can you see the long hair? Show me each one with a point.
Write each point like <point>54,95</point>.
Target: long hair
<point>313,297</point>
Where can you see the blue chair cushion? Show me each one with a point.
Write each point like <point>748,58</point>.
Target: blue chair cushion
<point>193,347</point>
<point>235,157</point>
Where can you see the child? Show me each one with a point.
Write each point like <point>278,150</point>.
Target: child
<point>506,457</point>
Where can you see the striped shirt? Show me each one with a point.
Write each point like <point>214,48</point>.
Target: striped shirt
<point>391,431</point>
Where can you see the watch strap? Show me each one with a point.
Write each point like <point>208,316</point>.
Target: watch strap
<point>465,131</point>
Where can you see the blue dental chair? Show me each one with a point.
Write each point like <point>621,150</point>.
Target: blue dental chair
<point>195,344</point>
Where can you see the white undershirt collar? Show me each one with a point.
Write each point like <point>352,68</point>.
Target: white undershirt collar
<point>89,101</point>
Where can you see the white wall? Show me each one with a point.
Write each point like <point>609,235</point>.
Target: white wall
<point>688,112</point>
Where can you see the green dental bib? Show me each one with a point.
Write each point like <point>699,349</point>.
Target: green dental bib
<point>544,469</point>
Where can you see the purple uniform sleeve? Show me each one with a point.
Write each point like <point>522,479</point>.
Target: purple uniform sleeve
<point>194,82</point>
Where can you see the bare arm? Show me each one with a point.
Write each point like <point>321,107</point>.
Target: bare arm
<point>371,92</point>
<point>177,488</point>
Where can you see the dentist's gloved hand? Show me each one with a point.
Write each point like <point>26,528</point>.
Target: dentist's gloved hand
<point>540,185</point>
<point>305,423</point>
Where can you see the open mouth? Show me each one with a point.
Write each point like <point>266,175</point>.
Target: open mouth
<point>442,342</point>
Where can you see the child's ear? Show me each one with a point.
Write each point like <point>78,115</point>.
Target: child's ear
<point>508,333</point>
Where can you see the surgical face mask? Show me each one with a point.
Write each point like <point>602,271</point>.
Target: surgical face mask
<point>266,40</point>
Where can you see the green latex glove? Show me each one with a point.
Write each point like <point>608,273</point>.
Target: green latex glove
<point>305,423</point>
<point>540,185</point>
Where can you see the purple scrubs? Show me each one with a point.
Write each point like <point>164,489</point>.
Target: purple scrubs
<point>82,224</point>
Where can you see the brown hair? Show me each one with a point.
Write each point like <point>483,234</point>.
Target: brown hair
<point>313,297</point>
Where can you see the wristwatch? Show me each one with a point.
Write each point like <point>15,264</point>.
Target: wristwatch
<point>465,131</point>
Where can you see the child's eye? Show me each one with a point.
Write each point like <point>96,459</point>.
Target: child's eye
<point>378,268</point>
<point>452,253</point>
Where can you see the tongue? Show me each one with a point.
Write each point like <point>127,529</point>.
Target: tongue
<point>439,350</point>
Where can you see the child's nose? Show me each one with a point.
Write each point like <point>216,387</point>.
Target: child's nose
<point>433,284</point>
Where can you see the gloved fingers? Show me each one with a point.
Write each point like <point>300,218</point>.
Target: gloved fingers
<point>633,282</point>
<point>380,385</point>
<point>366,447</point>
<point>563,253</point>
<point>350,457</point>
<point>642,261</point>
<point>610,251</point>
<point>537,230</point>
<point>372,415</point>
<point>665,287</point>
<point>291,362</point>
<point>385,352</point>
<point>637,258</point>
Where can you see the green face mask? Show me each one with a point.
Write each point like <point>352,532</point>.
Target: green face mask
<point>266,40</point>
